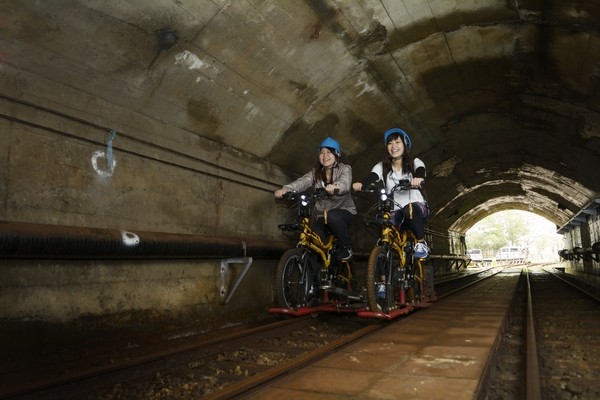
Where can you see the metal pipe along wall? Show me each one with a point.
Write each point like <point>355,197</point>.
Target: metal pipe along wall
<point>26,240</point>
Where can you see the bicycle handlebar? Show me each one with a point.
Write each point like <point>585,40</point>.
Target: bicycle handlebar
<point>403,184</point>
<point>319,193</point>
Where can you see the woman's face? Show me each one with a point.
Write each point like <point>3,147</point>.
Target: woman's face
<point>326,157</point>
<point>395,147</point>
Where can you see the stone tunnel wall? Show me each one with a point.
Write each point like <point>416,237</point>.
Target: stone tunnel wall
<point>67,168</point>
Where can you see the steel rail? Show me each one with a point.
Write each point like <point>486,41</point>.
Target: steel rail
<point>532,372</point>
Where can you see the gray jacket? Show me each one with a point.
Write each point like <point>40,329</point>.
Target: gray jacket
<point>342,178</point>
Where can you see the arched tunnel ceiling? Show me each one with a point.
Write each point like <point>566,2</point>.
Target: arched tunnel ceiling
<point>501,98</point>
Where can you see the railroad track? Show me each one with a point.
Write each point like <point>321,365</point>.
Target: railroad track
<point>215,368</point>
<point>567,326</point>
<point>551,348</point>
<point>455,284</point>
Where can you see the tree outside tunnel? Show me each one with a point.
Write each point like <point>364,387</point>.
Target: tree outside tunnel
<point>515,228</point>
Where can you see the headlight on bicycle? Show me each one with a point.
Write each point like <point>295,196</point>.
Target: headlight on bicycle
<point>303,200</point>
<point>382,195</point>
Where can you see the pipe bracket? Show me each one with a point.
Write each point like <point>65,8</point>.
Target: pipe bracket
<point>225,292</point>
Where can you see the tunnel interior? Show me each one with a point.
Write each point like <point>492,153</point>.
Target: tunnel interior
<point>176,122</point>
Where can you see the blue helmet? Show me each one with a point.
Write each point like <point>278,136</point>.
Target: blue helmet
<point>399,131</point>
<point>332,144</point>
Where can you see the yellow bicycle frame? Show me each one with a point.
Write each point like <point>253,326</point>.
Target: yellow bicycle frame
<point>398,240</point>
<point>311,240</point>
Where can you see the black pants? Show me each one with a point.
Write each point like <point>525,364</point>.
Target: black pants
<point>338,223</point>
<point>414,219</point>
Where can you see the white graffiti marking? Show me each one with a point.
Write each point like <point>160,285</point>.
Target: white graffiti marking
<point>191,60</point>
<point>100,154</point>
<point>130,238</point>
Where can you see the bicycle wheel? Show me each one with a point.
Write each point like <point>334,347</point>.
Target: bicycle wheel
<point>292,279</point>
<point>382,270</point>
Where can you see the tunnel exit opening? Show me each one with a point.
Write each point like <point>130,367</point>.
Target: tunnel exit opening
<point>514,234</point>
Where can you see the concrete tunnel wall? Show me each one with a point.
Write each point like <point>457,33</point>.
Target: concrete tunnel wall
<point>54,171</point>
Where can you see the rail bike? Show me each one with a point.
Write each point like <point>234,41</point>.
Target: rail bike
<point>310,277</point>
<point>397,281</point>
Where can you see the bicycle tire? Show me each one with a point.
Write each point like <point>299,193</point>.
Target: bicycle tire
<point>292,279</point>
<point>381,263</point>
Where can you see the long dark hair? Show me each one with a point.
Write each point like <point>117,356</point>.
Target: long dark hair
<point>407,159</point>
<point>319,173</point>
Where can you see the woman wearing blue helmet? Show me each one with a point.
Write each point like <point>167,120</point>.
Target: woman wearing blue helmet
<point>336,178</point>
<point>411,209</point>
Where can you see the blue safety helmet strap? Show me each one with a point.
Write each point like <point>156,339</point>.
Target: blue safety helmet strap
<point>400,132</point>
<point>332,144</point>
